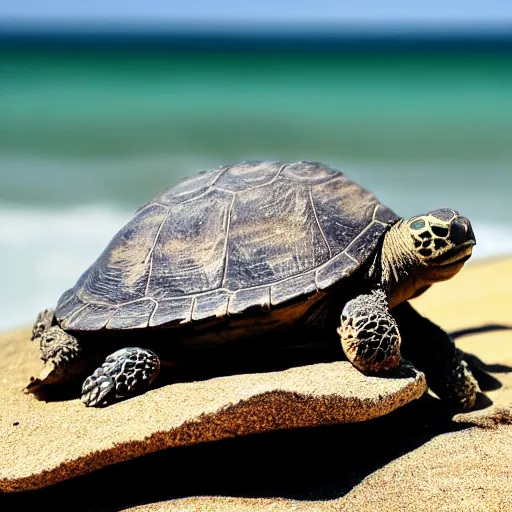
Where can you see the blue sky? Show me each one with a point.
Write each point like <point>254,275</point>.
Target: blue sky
<point>422,12</point>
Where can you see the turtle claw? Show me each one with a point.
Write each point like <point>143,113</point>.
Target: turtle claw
<point>458,386</point>
<point>128,371</point>
<point>98,389</point>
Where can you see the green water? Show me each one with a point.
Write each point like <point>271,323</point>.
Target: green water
<point>206,109</point>
<point>356,106</point>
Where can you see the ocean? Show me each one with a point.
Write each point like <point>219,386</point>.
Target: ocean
<point>90,132</point>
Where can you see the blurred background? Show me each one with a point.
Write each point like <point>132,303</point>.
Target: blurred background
<point>105,103</point>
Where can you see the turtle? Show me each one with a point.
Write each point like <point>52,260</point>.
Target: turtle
<point>255,256</point>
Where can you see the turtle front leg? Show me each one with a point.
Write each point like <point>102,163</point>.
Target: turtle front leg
<point>369,334</point>
<point>433,352</point>
<point>128,371</point>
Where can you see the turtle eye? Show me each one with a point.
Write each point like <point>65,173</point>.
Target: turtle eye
<point>418,224</point>
<point>441,231</point>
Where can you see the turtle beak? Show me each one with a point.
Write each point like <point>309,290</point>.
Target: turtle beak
<point>457,255</point>
<point>461,232</point>
<point>462,239</point>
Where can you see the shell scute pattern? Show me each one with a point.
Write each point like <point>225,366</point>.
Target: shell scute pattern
<point>246,176</point>
<point>309,173</point>
<point>357,249</point>
<point>132,315</point>
<point>273,235</point>
<point>121,272</point>
<point>188,257</point>
<point>248,297</point>
<point>337,268</point>
<point>214,303</point>
<point>344,209</point>
<point>285,290</point>
<point>253,234</point>
<point>189,188</point>
<point>92,317</point>
<point>179,310</point>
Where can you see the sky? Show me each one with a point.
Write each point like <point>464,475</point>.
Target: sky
<point>381,12</point>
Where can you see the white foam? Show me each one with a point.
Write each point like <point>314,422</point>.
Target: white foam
<point>492,240</point>
<point>43,253</point>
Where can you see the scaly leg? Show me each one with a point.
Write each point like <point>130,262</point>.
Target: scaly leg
<point>369,334</point>
<point>59,350</point>
<point>128,371</point>
<point>43,322</point>
<point>433,352</point>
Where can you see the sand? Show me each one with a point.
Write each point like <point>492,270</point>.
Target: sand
<point>47,442</point>
<point>422,456</point>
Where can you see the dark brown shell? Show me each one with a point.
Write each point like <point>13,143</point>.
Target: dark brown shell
<point>251,234</point>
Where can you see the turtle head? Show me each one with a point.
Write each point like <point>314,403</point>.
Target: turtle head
<point>442,240</point>
<point>423,250</point>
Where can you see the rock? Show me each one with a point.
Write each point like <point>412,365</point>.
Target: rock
<point>421,457</point>
<point>47,442</point>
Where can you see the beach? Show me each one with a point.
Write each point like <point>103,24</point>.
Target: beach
<point>96,127</point>
<point>422,456</point>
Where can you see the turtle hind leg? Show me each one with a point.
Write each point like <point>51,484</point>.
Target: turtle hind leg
<point>43,322</point>
<point>369,334</point>
<point>128,371</point>
<point>59,350</point>
<point>433,352</point>
<point>62,356</point>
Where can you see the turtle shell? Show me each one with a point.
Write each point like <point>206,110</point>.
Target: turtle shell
<point>261,233</point>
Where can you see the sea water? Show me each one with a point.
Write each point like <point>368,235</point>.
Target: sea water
<point>88,135</point>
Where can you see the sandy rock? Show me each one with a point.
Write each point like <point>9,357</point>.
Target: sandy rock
<point>46,442</point>
<point>429,459</point>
